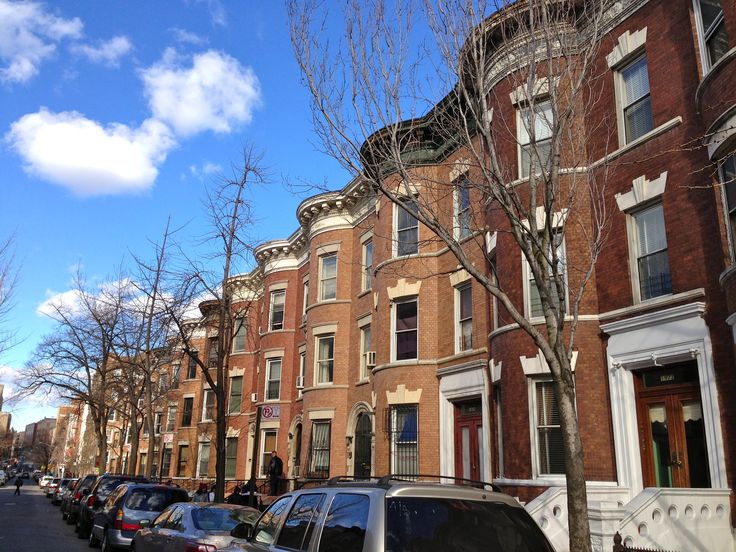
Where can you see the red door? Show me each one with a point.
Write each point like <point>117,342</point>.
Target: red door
<point>469,440</point>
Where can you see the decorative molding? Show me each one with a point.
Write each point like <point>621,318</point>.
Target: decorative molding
<point>273,353</point>
<point>321,413</point>
<point>652,304</point>
<point>541,88</point>
<point>324,329</point>
<point>628,44</point>
<point>656,318</point>
<point>459,168</point>
<point>461,368</point>
<point>458,277</point>
<point>366,236</point>
<point>232,432</point>
<point>402,396</point>
<point>278,286</point>
<point>540,216</point>
<point>642,190</point>
<point>364,320</point>
<point>496,369</point>
<point>491,240</point>
<point>537,365</point>
<point>403,289</point>
<point>327,248</point>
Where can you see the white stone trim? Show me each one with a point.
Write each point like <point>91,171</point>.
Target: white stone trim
<point>404,289</point>
<point>324,329</point>
<point>459,168</point>
<point>670,334</point>
<point>628,45</point>
<point>496,369</point>
<point>541,88</point>
<point>642,190</point>
<point>540,216</point>
<point>273,353</point>
<point>537,365</point>
<point>491,240</point>
<point>365,320</point>
<point>278,286</point>
<point>327,248</point>
<point>322,414</point>
<point>402,396</point>
<point>366,236</point>
<point>459,277</point>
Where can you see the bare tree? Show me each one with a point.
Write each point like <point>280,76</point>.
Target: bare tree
<point>211,284</point>
<point>78,359</point>
<point>8,282</point>
<point>372,113</point>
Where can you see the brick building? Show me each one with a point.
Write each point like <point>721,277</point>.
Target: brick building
<point>370,352</point>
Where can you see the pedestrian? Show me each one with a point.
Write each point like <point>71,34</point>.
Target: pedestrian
<point>18,485</point>
<point>201,495</point>
<point>275,469</point>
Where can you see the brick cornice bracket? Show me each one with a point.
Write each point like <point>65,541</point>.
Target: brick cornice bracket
<point>642,190</point>
<point>537,365</point>
<point>628,44</point>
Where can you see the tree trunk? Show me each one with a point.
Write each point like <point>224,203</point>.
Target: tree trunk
<point>134,440</point>
<point>221,428</point>
<point>149,422</point>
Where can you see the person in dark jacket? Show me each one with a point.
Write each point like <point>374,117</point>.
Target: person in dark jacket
<point>18,485</point>
<point>275,469</point>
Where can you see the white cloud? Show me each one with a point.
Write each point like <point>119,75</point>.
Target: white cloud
<point>207,169</point>
<point>28,36</point>
<point>217,12</point>
<point>68,301</point>
<point>107,53</point>
<point>215,93</point>
<point>185,37</point>
<point>88,158</point>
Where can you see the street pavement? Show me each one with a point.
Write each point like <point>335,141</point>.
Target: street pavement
<point>29,523</point>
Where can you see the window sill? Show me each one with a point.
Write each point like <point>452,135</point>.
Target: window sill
<point>625,148</point>
<point>365,292</point>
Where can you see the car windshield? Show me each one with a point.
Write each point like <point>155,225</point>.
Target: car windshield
<point>222,519</point>
<point>437,525</point>
<point>153,500</point>
<point>106,487</point>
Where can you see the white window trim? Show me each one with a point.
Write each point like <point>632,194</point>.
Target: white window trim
<point>526,274</point>
<point>270,310</point>
<point>262,450</point>
<point>531,389</point>
<point>724,199</point>
<point>633,236</point>
<point>519,124</point>
<point>395,234</point>
<point>269,362</point>
<point>620,93</point>
<point>458,329</point>
<point>320,291</point>
<point>364,371</point>
<point>393,328</point>
<point>302,370</point>
<point>317,359</point>
<point>363,256</point>
<point>199,458</point>
<point>240,324</point>
<point>204,405</point>
<point>462,178</point>
<point>305,299</point>
<point>704,58</point>
<point>230,396</point>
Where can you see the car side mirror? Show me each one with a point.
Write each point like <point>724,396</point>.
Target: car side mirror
<point>242,531</point>
<point>145,523</point>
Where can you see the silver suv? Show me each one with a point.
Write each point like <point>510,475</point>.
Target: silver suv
<point>394,516</point>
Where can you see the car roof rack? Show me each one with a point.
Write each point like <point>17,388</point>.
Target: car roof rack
<point>417,477</point>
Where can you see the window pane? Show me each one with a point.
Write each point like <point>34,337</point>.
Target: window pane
<point>636,80</point>
<point>231,457</point>
<point>549,434</point>
<point>296,530</point>
<point>328,277</point>
<point>406,315</point>
<point>320,450</point>
<point>654,275</point>
<point>717,43</point>
<point>274,380</point>
<point>236,394</point>
<point>650,230</point>
<point>638,119</point>
<point>277,310</point>
<point>346,522</point>
<point>404,440</point>
<point>407,230</point>
<point>239,337</point>
<point>203,469</point>
<point>368,265</point>
<point>710,11</point>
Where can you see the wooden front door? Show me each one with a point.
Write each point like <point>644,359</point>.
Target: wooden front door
<point>363,438</point>
<point>671,428</point>
<point>469,440</point>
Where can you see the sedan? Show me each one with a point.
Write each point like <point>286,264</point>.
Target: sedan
<point>202,526</point>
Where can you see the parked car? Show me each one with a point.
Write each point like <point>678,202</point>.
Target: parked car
<point>192,526</point>
<point>3,477</point>
<point>60,490</point>
<point>45,480</point>
<point>129,505</point>
<point>80,493</point>
<point>392,516</point>
<point>51,486</point>
<point>67,498</point>
<point>100,490</point>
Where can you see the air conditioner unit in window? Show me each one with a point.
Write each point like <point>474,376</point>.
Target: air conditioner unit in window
<point>254,397</point>
<point>370,359</point>
<point>300,382</point>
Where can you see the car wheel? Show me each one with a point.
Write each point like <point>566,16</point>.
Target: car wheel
<point>93,542</point>
<point>105,543</point>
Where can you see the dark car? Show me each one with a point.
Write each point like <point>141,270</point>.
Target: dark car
<point>63,489</point>
<point>101,489</point>
<point>129,505</point>
<point>192,526</point>
<point>80,493</point>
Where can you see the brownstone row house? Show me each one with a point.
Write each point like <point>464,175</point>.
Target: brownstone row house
<point>370,352</point>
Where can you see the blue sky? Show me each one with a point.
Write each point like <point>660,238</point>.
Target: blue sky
<point>114,115</point>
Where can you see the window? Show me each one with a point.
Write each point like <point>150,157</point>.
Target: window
<point>154,462</point>
<point>367,265</point>
<point>145,429</point>
<point>142,463</point>
<point>158,423</point>
<point>239,336</point>
<point>203,464</point>
<point>728,178</point>
<point>186,415</point>
<point>276,316</point>
<point>166,461</point>
<point>534,135</point>
<point>273,379</point>
<point>236,394</point>
<point>635,101</point>
<point>208,405</point>
<point>495,318</point>
<point>652,263</point>
<point>462,208</point>
<point>328,277</point>
<point>548,434</point>
<point>302,370</point>
<point>175,374</point>
<point>269,522</point>
<point>464,328</point>
<point>346,523</point>
<point>325,358</point>
<point>535,308</point>
<point>268,443</point>
<point>231,457</point>
<point>298,527</point>
<point>212,354</point>
<point>163,383</point>
<point>171,418</point>
<point>319,453</point>
<point>181,466</point>
<point>405,330</point>
<point>497,396</point>
<point>403,431</point>
<point>192,366</point>
<point>407,229</point>
<point>365,348</point>
<point>305,304</point>
<point>711,31</point>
